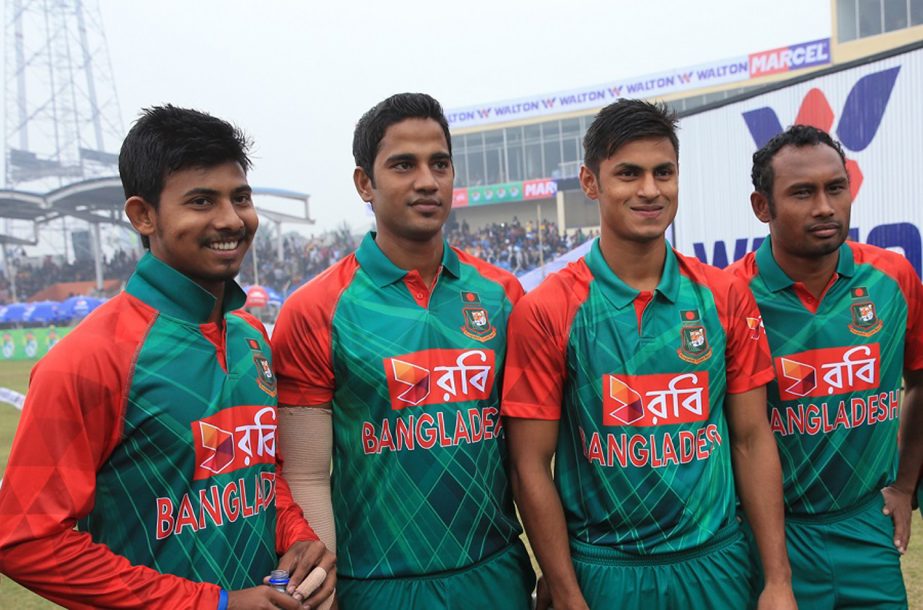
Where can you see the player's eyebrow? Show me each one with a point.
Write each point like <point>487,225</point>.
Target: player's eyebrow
<point>400,157</point>
<point>806,185</point>
<point>629,166</point>
<point>199,190</point>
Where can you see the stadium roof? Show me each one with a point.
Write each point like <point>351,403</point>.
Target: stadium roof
<point>100,200</point>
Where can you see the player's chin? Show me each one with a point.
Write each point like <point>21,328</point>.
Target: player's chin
<point>225,270</point>
<point>425,227</point>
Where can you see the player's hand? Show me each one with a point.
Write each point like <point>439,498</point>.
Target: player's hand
<point>261,598</point>
<point>312,572</point>
<point>542,594</point>
<point>898,506</point>
<point>777,597</point>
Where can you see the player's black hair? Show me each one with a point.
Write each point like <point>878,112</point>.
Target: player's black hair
<point>372,126</point>
<point>624,121</point>
<point>167,139</point>
<point>796,135</point>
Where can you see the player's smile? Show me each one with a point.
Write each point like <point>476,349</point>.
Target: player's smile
<point>204,223</point>
<point>647,211</point>
<point>637,188</point>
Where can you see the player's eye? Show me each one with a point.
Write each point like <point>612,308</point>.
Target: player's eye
<point>200,201</point>
<point>243,199</point>
<point>664,172</point>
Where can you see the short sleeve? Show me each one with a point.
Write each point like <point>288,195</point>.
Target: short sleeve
<point>747,356</point>
<point>536,357</point>
<point>302,349</point>
<point>913,342</point>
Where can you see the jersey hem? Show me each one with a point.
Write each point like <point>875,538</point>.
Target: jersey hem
<point>521,410</point>
<point>756,381</point>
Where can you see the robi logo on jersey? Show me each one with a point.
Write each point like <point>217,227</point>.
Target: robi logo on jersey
<point>460,375</point>
<point>234,438</point>
<point>859,120</point>
<point>824,372</point>
<point>655,400</point>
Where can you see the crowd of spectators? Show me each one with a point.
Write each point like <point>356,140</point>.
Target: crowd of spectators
<point>32,277</point>
<point>303,258</point>
<point>512,245</point>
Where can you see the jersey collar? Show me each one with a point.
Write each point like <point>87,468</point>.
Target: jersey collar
<point>383,272</point>
<point>172,293</point>
<point>776,279</point>
<point>621,294</point>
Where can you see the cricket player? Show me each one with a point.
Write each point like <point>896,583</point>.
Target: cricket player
<point>845,326</point>
<point>151,426</point>
<point>391,362</point>
<point>637,369</point>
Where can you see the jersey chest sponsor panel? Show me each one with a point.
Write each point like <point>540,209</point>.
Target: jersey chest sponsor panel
<point>643,460</point>
<point>195,468</point>
<point>419,481</point>
<point>835,403</point>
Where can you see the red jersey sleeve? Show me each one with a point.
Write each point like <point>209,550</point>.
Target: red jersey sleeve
<point>913,342</point>
<point>901,271</point>
<point>536,353</point>
<point>302,338</point>
<point>748,361</point>
<point>907,279</point>
<point>70,424</point>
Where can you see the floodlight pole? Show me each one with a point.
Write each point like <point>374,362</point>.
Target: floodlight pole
<point>280,245</point>
<point>97,257</point>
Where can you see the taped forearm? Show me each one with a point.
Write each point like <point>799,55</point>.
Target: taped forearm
<point>306,446</point>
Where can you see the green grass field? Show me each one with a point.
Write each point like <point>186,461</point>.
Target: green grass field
<point>15,375</point>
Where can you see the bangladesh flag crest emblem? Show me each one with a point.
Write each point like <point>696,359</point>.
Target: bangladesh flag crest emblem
<point>865,321</point>
<point>265,378</point>
<point>477,324</point>
<point>694,347</point>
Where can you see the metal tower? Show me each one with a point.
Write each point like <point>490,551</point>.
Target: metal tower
<point>61,111</point>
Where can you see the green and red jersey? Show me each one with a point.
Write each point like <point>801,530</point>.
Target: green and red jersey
<point>154,433</point>
<point>413,376</point>
<point>638,381</point>
<point>834,405</point>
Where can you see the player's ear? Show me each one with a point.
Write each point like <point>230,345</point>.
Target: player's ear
<point>761,207</point>
<point>364,184</point>
<point>589,182</point>
<point>141,215</point>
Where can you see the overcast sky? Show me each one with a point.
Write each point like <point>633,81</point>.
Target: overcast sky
<point>296,75</point>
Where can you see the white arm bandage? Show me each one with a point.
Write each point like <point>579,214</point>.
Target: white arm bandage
<point>306,443</point>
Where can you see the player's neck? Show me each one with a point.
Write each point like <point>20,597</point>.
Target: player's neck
<point>217,310</point>
<point>638,264</point>
<point>814,272</point>
<point>424,256</point>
